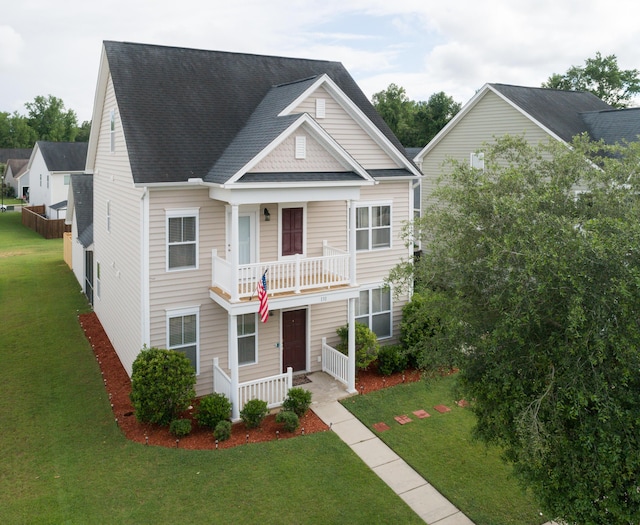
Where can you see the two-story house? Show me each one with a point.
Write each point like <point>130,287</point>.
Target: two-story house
<point>49,170</point>
<point>212,169</point>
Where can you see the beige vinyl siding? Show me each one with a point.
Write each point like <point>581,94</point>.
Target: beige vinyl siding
<point>326,318</point>
<point>326,221</point>
<point>118,252</point>
<point>282,158</point>
<point>491,117</point>
<point>341,126</point>
<point>268,243</point>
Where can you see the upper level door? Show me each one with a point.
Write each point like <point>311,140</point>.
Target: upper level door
<point>292,231</point>
<point>246,237</point>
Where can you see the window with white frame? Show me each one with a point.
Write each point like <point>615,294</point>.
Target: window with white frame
<point>373,227</point>
<point>66,179</point>
<point>112,130</point>
<point>247,339</point>
<point>373,308</point>
<point>182,239</point>
<point>477,160</point>
<point>182,333</point>
<point>98,290</point>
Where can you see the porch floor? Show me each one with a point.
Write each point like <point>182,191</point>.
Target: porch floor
<point>324,388</point>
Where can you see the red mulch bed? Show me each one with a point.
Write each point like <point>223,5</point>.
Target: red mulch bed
<point>118,386</point>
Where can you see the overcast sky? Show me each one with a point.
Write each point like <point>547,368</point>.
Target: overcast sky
<point>52,47</point>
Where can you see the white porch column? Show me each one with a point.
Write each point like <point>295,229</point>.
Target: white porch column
<point>351,339</point>
<point>233,366</point>
<point>352,243</point>
<point>233,254</point>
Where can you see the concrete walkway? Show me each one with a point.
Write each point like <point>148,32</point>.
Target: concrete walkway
<point>425,500</point>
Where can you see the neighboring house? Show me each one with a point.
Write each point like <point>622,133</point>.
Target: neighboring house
<point>49,169</point>
<point>14,169</point>
<point>537,113</point>
<point>211,168</point>
<point>80,216</point>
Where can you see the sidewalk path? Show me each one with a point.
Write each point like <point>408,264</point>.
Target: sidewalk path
<point>416,492</point>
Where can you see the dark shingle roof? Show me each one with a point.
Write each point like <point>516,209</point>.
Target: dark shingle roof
<point>82,187</point>
<point>614,125</point>
<point>64,156</point>
<point>14,153</point>
<point>559,111</point>
<point>17,166</point>
<point>182,108</point>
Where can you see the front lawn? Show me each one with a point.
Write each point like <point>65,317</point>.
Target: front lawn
<point>440,447</point>
<point>64,460</point>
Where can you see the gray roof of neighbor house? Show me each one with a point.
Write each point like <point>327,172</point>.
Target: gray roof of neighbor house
<point>185,111</point>
<point>616,125</point>
<point>559,111</point>
<point>14,153</point>
<point>82,188</point>
<point>17,166</point>
<point>64,156</point>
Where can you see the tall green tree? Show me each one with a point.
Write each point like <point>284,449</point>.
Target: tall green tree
<point>50,120</point>
<point>414,123</point>
<point>536,291</point>
<point>15,131</point>
<point>601,76</point>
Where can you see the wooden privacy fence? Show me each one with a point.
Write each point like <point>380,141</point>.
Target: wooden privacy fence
<point>34,219</point>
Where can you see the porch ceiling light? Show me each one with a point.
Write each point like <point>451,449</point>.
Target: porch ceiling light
<point>267,215</point>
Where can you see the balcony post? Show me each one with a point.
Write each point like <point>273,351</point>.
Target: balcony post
<point>297,272</point>
<point>351,339</point>
<point>232,253</point>
<point>352,243</point>
<point>233,365</point>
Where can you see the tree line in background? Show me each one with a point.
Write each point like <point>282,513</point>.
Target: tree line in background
<point>46,119</point>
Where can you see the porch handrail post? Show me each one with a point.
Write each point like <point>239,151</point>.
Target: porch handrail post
<point>351,339</point>
<point>233,366</point>
<point>352,243</point>
<point>234,255</point>
<point>289,379</point>
<point>297,272</point>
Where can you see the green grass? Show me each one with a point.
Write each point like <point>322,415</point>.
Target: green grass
<point>471,475</point>
<point>11,202</point>
<point>64,460</point>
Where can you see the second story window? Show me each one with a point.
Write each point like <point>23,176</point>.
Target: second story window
<point>477,160</point>
<point>182,239</point>
<point>112,130</point>
<point>373,227</point>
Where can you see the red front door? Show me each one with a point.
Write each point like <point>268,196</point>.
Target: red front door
<point>294,340</point>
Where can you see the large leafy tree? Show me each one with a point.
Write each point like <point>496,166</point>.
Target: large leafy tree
<point>536,292</point>
<point>414,123</point>
<point>15,131</point>
<point>50,120</point>
<point>601,76</point>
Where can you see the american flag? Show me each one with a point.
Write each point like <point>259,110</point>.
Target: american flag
<point>262,297</point>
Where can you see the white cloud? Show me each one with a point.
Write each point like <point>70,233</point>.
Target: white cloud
<point>11,44</point>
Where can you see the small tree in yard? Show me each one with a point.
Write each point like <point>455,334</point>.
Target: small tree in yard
<point>162,385</point>
<point>536,288</point>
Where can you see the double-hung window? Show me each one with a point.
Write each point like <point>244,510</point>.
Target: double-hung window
<point>182,239</point>
<point>373,227</point>
<point>373,308</point>
<point>182,333</point>
<point>247,339</point>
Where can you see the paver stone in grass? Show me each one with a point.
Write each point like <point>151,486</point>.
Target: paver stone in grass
<point>403,420</point>
<point>463,403</point>
<point>381,427</point>
<point>421,414</point>
<point>442,408</point>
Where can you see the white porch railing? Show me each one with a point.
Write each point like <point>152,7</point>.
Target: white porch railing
<point>271,389</point>
<point>334,363</point>
<point>291,275</point>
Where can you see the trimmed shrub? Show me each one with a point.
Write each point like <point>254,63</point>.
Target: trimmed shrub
<point>366,344</point>
<point>213,409</point>
<point>289,419</point>
<point>253,412</point>
<point>298,400</point>
<point>180,427</point>
<point>222,431</point>
<point>391,359</point>
<point>162,385</point>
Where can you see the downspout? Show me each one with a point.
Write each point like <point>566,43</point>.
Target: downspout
<point>144,270</point>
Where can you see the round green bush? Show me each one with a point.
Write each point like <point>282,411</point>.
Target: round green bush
<point>180,427</point>
<point>213,409</point>
<point>298,400</point>
<point>222,431</point>
<point>289,419</point>
<point>391,359</point>
<point>253,412</point>
<point>366,344</point>
<point>162,385</point>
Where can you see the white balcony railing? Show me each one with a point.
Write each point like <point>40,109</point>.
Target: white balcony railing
<point>335,363</point>
<point>290,275</point>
